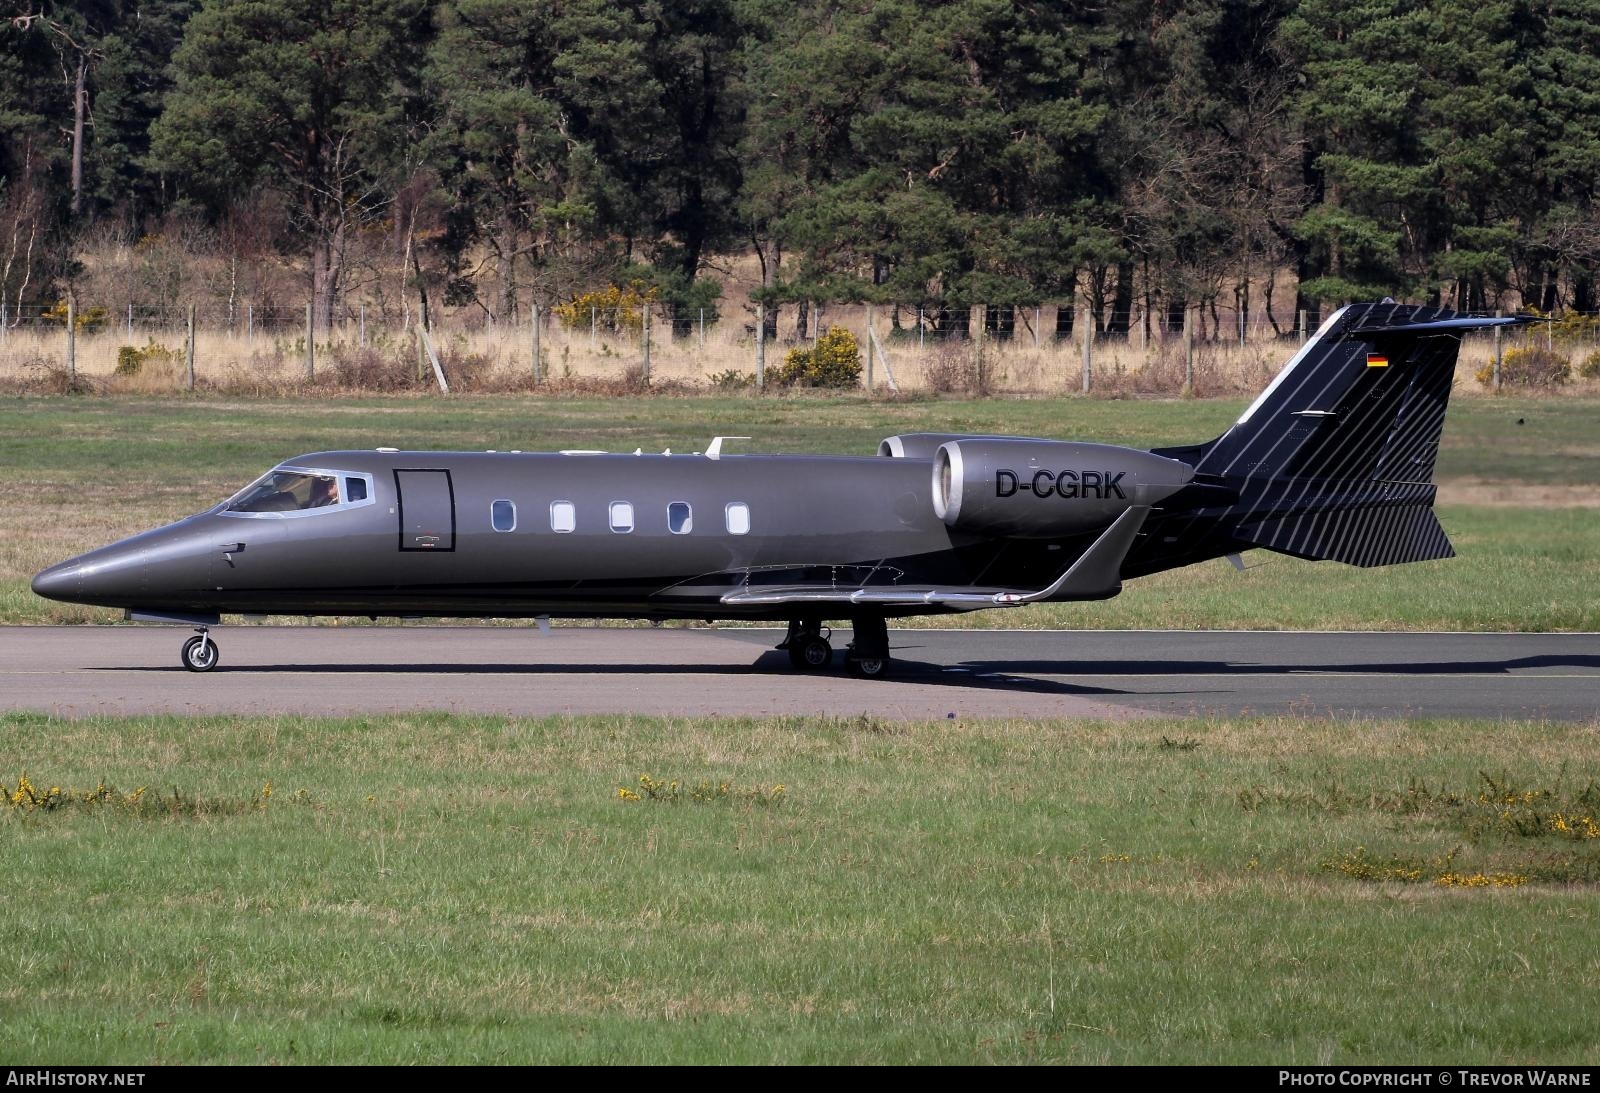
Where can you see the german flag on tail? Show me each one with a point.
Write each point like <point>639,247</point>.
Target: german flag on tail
<point>1377,360</point>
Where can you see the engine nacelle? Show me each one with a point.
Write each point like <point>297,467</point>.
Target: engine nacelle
<point>1042,489</point>
<point>923,445</point>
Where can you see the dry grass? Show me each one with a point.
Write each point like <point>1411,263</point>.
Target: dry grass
<point>487,359</point>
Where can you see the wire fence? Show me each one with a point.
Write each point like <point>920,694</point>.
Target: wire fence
<point>978,350</point>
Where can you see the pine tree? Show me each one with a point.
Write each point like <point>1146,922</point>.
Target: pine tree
<point>308,97</point>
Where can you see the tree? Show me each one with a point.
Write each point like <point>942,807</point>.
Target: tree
<point>308,97</point>
<point>1210,177</point>
<point>34,172</point>
<point>1557,251</point>
<point>132,79</point>
<point>502,139</point>
<point>936,152</point>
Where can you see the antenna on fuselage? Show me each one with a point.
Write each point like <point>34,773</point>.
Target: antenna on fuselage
<point>714,449</point>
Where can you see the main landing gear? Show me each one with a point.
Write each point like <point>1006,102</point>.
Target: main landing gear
<point>807,646</point>
<point>199,652</point>
<point>867,656</point>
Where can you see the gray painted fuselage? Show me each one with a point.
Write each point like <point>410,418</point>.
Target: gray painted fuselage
<point>845,522</point>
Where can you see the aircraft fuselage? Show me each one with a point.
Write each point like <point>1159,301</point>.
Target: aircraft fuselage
<point>581,535</point>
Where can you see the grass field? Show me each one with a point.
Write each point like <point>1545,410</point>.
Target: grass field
<point>430,888</point>
<point>436,889</point>
<point>1520,489</point>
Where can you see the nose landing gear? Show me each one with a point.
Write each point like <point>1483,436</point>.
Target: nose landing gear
<point>199,652</point>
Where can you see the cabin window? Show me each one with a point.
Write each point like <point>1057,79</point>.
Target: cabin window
<point>355,489</point>
<point>738,514</point>
<point>680,518</point>
<point>622,516</point>
<point>503,515</point>
<point>563,516</point>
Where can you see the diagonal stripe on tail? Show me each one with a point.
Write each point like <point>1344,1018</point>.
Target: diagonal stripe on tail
<point>1362,536</point>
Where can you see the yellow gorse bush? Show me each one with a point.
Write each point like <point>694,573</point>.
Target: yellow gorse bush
<point>27,797</point>
<point>673,790</point>
<point>88,320</point>
<point>612,309</point>
<point>834,361</point>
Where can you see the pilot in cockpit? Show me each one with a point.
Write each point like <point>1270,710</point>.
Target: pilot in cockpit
<point>324,491</point>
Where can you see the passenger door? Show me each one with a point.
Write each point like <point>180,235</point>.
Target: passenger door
<point>425,501</point>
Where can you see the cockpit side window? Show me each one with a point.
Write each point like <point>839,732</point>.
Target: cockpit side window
<point>288,491</point>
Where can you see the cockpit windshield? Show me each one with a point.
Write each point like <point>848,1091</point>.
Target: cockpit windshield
<point>287,491</point>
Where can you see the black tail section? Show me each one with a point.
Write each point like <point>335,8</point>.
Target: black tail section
<point>1335,459</point>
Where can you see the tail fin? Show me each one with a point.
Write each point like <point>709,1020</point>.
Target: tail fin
<point>1337,454</point>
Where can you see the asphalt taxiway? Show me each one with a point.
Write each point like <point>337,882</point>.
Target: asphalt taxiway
<point>333,671</point>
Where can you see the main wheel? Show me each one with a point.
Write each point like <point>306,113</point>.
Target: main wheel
<point>869,667</point>
<point>199,654</point>
<point>811,653</point>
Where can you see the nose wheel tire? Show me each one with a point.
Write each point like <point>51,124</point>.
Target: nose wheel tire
<point>810,653</point>
<point>199,653</point>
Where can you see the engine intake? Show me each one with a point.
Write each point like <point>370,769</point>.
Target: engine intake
<point>1043,489</point>
<point>924,445</point>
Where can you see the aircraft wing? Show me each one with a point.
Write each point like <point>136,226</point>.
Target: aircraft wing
<point>970,599</point>
<point>1095,574</point>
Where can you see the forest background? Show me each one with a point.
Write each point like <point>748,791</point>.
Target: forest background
<point>1126,162</point>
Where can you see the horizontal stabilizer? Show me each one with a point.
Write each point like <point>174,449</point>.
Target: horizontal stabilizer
<point>1373,536</point>
<point>1442,326</point>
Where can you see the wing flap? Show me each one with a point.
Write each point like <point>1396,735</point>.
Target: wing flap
<point>969,599</point>
<point>1096,574</point>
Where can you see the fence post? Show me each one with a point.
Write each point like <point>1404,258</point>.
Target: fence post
<point>1038,317</point>
<point>1188,351</point>
<point>1241,327</point>
<point>72,333</point>
<point>130,322</point>
<point>1088,351</point>
<point>1301,327</point>
<point>1497,353</point>
<point>311,353</point>
<point>4,333</point>
<point>1144,334</point>
<point>594,327</point>
<point>538,349</point>
<point>363,321</point>
<point>249,322</point>
<point>869,347</point>
<point>702,330</point>
<point>921,329</point>
<point>188,351</point>
<point>977,339</point>
<point>646,337</point>
<point>761,345</point>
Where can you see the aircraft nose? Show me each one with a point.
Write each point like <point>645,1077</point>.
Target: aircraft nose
<point>107,577</point>
<point>59,582</point>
